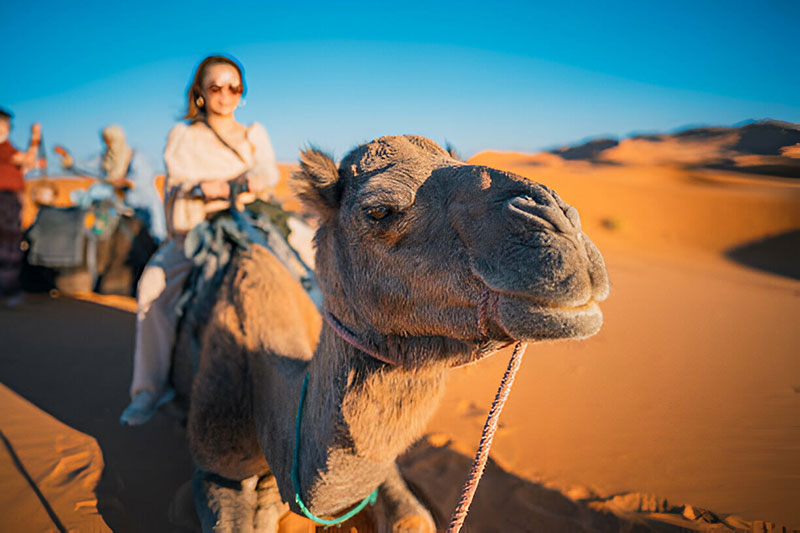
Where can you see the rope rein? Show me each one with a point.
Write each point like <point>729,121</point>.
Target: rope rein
<point>489,429</point>
<point>487,307</point>
<point>370,499</point>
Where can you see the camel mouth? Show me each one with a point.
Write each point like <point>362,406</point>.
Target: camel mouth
<point>557,307</point>
<point>522,318</point>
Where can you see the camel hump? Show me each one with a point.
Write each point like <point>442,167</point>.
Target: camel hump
<point>272,309</point>
<point>258,308</point>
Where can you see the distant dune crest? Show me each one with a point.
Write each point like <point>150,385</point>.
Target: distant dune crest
<point>768,147</point>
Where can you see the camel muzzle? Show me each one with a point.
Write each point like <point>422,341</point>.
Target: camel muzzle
<point>526,245</point>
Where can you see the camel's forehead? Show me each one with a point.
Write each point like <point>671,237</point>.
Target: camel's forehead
<point>412,153</point>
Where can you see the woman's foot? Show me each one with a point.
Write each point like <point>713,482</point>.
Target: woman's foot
<point>143,406</point>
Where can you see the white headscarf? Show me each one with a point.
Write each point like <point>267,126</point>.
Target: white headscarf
<point>118,153</point>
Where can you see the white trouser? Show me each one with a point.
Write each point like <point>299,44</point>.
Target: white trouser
<point>159,290</point>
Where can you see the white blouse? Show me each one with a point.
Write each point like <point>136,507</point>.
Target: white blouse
<point>194,154</point>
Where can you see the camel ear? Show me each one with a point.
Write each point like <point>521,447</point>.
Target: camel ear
<point>317,182</point>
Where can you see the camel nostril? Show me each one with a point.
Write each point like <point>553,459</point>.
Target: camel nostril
<point>526,209</point>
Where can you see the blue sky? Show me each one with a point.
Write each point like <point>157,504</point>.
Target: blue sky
<point>506,75</point>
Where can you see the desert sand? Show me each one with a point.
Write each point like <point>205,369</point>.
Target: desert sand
<point>49,470</point>
<point>690,389</point>
<point>686,401</point>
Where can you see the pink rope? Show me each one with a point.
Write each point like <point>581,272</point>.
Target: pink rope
<point>489,429</point>
<point>349,337</point>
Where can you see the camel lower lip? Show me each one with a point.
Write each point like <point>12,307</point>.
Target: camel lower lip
<point>550,306</point>
<point>583,307</point>
<point>589,307</point>
<point>525,319</point>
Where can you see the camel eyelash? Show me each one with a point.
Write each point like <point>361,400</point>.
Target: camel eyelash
<point>380,212</point>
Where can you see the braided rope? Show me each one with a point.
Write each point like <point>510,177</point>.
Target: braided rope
<point>489,429</point>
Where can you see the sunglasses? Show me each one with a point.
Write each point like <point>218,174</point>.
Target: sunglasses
<point>233,89</point>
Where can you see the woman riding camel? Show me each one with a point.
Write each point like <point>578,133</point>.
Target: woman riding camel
<point>201,157</point>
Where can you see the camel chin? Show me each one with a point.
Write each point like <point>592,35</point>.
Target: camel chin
<point>526,320</point>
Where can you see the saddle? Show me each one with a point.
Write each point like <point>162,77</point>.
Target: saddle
<point>57,237</point>
<point>68,237</point>
<point>77,245</point>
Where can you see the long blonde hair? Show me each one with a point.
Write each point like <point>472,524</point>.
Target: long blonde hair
<point>193,111</point>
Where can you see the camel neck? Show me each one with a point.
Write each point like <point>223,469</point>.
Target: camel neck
<point>347,377</point>
<point>360,414</point>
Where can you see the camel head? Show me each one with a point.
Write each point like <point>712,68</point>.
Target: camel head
<point>413,244</point>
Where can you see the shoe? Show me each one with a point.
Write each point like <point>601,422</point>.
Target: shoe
<point>14,301</point>
<point>143,406</point>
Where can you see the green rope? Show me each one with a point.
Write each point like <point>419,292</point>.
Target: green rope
<point>371,499</point>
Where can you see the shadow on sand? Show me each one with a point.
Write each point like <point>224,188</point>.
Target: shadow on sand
<point>779,254</point>
<point>506,502</point>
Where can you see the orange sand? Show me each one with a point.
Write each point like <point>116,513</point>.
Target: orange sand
<point>42,459</point>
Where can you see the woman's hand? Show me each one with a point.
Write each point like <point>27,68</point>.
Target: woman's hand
<point>256,183</point>
<point>215,189</point>
<point>122,183</point>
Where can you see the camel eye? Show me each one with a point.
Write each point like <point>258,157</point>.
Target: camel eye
<point>379,212</point>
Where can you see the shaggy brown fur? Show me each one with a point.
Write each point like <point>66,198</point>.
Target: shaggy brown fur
<point>408,243</point>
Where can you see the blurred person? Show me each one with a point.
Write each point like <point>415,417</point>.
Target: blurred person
<point>122,169</point>
<point>202,156</point>
<point>13,165</point>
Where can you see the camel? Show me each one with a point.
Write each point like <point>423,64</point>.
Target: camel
<point>120,250</point>
<point>425,263</point>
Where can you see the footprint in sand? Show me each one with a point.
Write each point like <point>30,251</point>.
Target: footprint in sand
<point>469,409</point>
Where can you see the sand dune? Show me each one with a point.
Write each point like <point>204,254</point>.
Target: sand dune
<point>670,151</point>
<point>767,147</point>
<point>688,391</point>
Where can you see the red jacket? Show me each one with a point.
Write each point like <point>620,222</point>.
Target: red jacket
<point>10,174</point>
